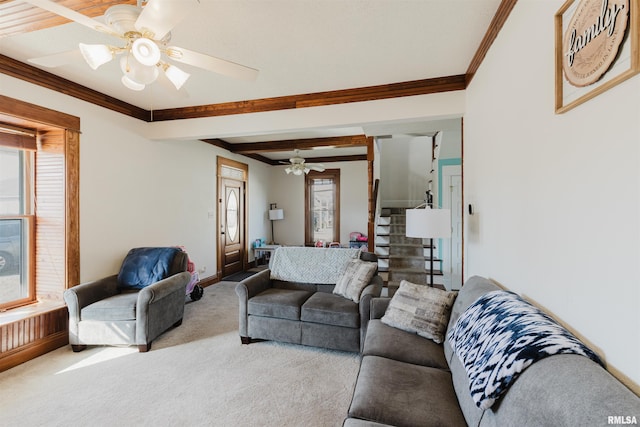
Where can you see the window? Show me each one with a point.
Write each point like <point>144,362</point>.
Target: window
<point>322,207</point>
<point>45,208</point>
<point>16,227</point>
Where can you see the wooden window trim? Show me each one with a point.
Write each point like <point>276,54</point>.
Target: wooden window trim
<point>24,114</point>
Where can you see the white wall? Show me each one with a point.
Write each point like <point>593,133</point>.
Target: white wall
<point>138,192</point>
<point>405,163</point>
<point>288,192</point>
<point>557,197</point>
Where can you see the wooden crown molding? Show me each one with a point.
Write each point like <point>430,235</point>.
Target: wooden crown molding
<point>503,12</point>
<point>28,73</point>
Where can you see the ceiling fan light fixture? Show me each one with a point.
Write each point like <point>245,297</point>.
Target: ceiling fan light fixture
<point>176,76</point>
<point>96,54</point>
<point>146,51</point>
<point>137,72</point>
<point>131,84</point>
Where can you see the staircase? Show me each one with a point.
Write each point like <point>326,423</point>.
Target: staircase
<point>401,257</point>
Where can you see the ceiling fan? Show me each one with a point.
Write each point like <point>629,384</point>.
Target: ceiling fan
<point>144,32</point>
<point>298,166</point>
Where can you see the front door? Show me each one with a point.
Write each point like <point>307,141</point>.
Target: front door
<point>231,214</point>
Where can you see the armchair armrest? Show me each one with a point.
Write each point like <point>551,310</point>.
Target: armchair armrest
<point>163,288</point>
<point>84,294</point>
<point>160,305</point>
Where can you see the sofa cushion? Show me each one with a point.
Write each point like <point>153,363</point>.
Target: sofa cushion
<point>330,309</point>
<point>393,343</point>
<point>401,394</point>
<point>420,309</point>
<point>280,303</point>
<point>117,307</point>
<point>355,278</point>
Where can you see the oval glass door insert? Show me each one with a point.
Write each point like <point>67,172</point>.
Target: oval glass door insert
<point>232,215</point>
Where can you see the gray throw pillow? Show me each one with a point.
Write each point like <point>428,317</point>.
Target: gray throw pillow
<point>420,309</point>
<point>355,278</point>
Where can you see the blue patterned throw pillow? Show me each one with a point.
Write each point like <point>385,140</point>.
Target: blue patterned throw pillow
<point>499,336</point>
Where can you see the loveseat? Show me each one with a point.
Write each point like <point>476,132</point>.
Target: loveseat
<point>294,301</point>
<point>408,380</point>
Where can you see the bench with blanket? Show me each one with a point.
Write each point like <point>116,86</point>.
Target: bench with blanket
<point>490,359</point>
<point>312,296</point>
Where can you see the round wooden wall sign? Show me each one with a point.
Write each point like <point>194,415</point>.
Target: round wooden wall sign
<point>592,39</point>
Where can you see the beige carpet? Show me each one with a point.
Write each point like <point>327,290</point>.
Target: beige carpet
<point>196,374</point>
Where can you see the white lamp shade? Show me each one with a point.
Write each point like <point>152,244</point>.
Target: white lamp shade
<point>138,72</point>
<point>429,223</point>
<point>131,84</point>
<point>176,76</point>
<point>276,214</point>
<point>96,54</point>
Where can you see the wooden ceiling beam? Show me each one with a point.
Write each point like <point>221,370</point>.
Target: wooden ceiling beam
<point>299,144</point>
<point>229,147</point>
<point>368,93</point>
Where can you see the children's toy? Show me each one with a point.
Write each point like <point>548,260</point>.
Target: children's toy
<point>194,290</point>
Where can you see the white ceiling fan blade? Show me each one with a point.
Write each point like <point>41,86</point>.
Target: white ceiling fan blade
<point>58,59</point>
<point>211,63</point>
<point>160,16</point>
<point>316,167</point>
<point>72,15</point>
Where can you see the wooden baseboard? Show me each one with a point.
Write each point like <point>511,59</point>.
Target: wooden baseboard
<point>32,350</point>
<point>208,281</point>
<point>32,334</point>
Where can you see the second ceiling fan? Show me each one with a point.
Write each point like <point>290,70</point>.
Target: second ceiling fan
<point>298,166</point>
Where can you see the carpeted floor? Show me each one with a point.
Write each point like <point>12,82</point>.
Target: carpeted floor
<point>240,276</point>
<point>195,375</point>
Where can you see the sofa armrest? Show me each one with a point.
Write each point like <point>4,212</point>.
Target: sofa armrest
<point>379,307</point>
<point>246,289</point>
<point>371,291</point>
<point>253,285</point>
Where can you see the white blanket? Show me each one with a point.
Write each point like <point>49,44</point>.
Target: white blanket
<point>310,265</point>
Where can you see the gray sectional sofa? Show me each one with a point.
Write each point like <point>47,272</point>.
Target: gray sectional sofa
<point>407,380</point>
<point>304,313</point>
